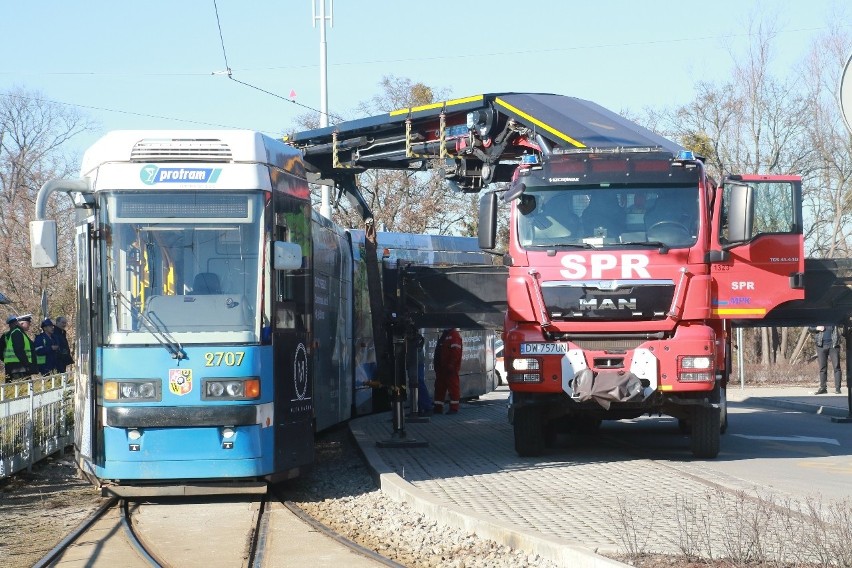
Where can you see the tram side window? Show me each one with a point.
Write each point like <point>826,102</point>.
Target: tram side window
<point>291,296</point>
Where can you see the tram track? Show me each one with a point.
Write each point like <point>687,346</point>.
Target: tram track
<point>269,532</point>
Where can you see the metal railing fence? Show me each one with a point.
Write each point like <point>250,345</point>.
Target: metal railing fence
<point>36,420</point>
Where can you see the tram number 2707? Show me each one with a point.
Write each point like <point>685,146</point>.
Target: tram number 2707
<point>226,358</point>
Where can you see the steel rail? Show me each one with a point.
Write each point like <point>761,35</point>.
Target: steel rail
<point>331,533</point>
<point>63,544</point>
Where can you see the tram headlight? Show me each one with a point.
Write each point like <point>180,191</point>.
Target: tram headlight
<point>215,388</point>
<point>231,389</point>
<point>128,390</point>
<point>145,390</point>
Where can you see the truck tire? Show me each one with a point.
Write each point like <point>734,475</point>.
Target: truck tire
<point>706,432</point>
<point>529,432</point>
<point>723,410</point>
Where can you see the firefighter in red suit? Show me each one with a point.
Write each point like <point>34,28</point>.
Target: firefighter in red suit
<point>447,362</point>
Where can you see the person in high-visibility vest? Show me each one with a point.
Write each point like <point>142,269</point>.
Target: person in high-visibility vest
<point>19,352</point>
<point>47,349</point>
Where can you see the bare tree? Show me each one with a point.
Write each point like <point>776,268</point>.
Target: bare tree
<point>829,179</point>
<point>34,134</point>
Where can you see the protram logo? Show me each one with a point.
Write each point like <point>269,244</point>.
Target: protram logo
<point>151,174</point>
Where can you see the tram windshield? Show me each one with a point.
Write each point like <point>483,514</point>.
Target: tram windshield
<point>181,267</point>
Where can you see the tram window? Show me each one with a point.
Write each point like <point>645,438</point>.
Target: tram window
<point>291,292</point>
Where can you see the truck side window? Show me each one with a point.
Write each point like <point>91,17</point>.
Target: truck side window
<point>772,210</point>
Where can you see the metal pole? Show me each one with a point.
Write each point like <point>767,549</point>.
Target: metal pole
<point>325,204</point>
<point>29,428</point>
<point>740,364</point>
<point>412,364</point>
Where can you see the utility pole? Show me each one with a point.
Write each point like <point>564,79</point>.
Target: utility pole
<point>325,204</point>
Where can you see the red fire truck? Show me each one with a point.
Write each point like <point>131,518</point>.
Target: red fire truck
<point>626,262</point>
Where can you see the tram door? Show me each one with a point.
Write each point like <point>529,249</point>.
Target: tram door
<point>86,422</point>
<point>291,332</point>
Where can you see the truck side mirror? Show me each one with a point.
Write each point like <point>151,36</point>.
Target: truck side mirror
<point>286,256</point>
<point>43,244</point>
<point>487,229</point>
<point>516,189</point>
<point>740,212</point>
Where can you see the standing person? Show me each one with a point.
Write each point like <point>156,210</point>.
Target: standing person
<point>827,341</point>
<point>447,362</point>
<point>64,358</point>
<point>12,322</point>
<point>47,348</point>
<point>19,354</point>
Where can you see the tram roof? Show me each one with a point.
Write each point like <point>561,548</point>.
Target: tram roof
<point>143,146</point>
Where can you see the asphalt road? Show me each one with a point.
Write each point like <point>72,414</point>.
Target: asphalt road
<point>795,453</point>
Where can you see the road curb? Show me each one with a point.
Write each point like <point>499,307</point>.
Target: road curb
<point>549,548</point>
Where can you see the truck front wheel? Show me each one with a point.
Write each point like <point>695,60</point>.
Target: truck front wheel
<point>706,432</point>
<point>529,432</point>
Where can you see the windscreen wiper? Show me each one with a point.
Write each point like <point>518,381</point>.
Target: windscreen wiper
<point>164,338</point>
<point>553,246</point>
<point>664,248</point>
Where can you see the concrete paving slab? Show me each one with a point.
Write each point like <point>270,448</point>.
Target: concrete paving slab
<point>468,476</point>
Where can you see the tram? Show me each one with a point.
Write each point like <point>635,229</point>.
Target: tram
<point>221,321</point>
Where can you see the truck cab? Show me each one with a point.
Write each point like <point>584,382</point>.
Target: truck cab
<point>625,271</point>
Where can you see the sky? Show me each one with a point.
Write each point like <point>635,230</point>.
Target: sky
<point>161,63</point>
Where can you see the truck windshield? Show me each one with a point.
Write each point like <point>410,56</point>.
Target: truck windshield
<point>595,216</point>
<point>180,267</point>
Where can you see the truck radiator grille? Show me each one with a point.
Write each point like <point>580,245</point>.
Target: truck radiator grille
<point>609,344</point>
<point>180,150</point>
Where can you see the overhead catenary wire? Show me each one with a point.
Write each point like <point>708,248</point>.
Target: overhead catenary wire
<point>119,111</point>
<point>230,73</point>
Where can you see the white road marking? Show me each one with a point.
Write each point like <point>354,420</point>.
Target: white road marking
<point>805,439</point>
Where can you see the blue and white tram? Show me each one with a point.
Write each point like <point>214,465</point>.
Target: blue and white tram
<point>195,277</point>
